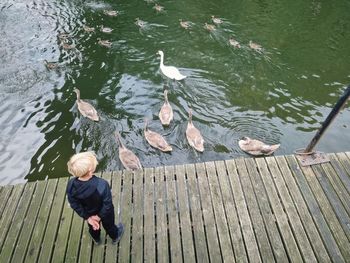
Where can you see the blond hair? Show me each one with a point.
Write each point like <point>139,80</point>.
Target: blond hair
<point>82,163</point>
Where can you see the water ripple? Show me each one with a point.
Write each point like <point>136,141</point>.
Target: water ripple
<point>280,94</point>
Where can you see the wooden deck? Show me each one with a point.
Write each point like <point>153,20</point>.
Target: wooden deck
<point>242,210</point>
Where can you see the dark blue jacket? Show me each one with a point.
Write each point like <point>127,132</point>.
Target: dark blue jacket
<point>91,197</point>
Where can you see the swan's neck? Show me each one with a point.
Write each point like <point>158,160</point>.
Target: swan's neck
<point>190,116</point>
<point>166,96</point>
<point>119,141</point>
<point>161,60</point>
<point>78,94</point>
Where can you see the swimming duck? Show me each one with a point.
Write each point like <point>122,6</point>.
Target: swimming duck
<point>256,147</point>
<point>106,29</point>
<point>110,12</point>
<point>216,20</point>
<point>140,22</point>
<point>156,140</point>
<point>234,43</point>
<point>255,46</point>
<point>209,27</point>
<point>127,157</point>
<point>169,71</point>
<point>105,43</point>
<point>166,112</point>
<point>158,8</point>
<point>86,109</point>
<point>184,24</point>
<point>193,135</point>
<point>50,65</point>
<point>88,29</point>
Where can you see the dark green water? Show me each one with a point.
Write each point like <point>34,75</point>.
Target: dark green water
<point>280,95</point>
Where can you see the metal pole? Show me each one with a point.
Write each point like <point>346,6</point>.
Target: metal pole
<point>338,106</point>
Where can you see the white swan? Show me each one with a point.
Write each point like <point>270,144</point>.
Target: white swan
<point>169,71</point>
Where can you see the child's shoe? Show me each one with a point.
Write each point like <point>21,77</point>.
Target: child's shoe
<point>97,241</point>
<point>120,228</point>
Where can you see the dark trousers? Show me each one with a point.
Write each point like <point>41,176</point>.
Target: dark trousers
<point>108,224</point>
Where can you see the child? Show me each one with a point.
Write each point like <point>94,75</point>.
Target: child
<point>91,198</point>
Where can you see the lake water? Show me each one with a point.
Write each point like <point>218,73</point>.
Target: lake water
<point>279,95</point>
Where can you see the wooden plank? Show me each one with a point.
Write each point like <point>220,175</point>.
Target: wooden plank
<point>29,221</point>
<point>339,166</point>
<point>111,250</point>
<point>337,185</point>
<point>149,227</point>
<point>344,158</point>
<point>9,212</point>
<point>333,199</point>
<point>4,200</point>
<point>161,219</point>
<point>348,156</point>
<point>41,222</point>
<point>116,194</point>
<point>60,248</point>
<point>327,211</point>
<point>208,214</point>
<point>74,237</point>
<point>4,197</point>
<point>172,205</point>
<point>281,217</point>
<point>17,223</point>
<point>54,219</point>
<point>126,214</point>
<point>98,250</point>
<point>85,245</point>
<point>184,211</point>
<point>219,213</point>
<point>201,249</point>
<point>305,216</point>
<point>315,211</point>
<point>137,223</point>
<point>244,219</point>
<point>255,214</point>
<point>266,212</point>
<point>231,213</point>
<point>292,214</point>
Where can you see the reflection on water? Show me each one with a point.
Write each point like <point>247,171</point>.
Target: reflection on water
<point>279,95</point>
